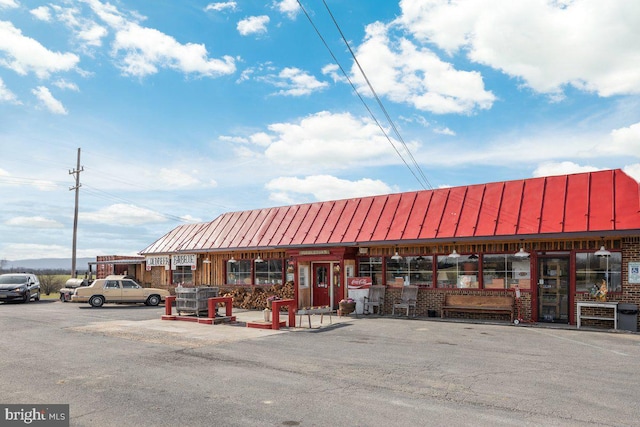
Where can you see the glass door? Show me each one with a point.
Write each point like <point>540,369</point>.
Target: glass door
<point>553,289</point>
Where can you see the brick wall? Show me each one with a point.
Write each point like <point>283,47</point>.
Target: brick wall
<point>630,253</point>
<point>430,301</point>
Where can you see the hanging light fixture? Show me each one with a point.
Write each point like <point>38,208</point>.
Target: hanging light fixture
<point>602,252</point>
<point>259,259</point>
<point>231,260</point>
<point>454,254</point>
<point>396,256</point>
<point>522,253</point>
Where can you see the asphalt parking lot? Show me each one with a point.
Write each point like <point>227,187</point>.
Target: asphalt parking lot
<point>123,366</point>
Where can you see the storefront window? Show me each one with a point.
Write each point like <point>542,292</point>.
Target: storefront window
<point>461,272</point>
<point>371,267</point>
<point>239,272</point>
<point>183,276</point>
<point>505,271</point>
<point>269,272</point>
<point>591,270</point>
<point>410,270</point>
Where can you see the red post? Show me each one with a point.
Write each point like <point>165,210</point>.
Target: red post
<point>211,306</point>
<point>168,304</point>
<point>275,316</point>
<point>213,301</point>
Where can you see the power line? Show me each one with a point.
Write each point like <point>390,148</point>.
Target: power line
<point>384,110</point>
<point>424,183</point>
<point>105,195</point>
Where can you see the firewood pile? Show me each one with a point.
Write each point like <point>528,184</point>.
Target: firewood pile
<point>255,298</point>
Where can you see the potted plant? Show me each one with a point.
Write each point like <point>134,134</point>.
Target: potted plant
<point>271,299</point>
<point>347,306</point>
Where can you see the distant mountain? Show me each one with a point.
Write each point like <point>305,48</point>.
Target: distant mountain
<point>82,264</point>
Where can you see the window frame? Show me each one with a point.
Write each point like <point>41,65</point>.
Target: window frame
<point>377,275</point>
<point>183,272</point>
<point>409,276</point>
<point>614,272</point>
<point>274,272</point>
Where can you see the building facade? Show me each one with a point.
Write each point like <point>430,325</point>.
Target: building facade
<point>552,241</point>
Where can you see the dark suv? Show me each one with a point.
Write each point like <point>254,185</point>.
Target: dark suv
<point>19,287</point>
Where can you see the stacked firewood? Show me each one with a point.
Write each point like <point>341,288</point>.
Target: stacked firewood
<point>255,298</point>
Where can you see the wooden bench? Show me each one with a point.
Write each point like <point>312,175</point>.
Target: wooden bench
<point>494,304</point>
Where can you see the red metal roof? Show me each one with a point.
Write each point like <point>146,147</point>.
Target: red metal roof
<point>593,202</point>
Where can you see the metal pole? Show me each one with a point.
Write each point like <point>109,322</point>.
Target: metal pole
<point>75,172</point>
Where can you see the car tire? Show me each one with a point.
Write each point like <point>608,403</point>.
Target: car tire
<point>153,300</point>
<point>96,301</point>
<point>37,298</point>
<point>27,297</point>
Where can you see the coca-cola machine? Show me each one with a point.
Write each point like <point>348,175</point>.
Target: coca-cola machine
<point>358,288</point>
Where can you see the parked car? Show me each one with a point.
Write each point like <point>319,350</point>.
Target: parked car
<point>70,286</point>
<point>22,287</point>
<point>118,289</point>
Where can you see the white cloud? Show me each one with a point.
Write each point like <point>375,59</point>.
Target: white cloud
<point>33,222</point>
<point>23,54</point>
<point>331,70</point>
<point>547,44</point>
<point>296,82</point>
<point>189,218</point>
<point>65,85</point>
<point>6,95</point>
<point>222,6</point>
<point>233,139</point>
<point>624,141</point>
<point>145,49</point>
<point>327,140</point>
<point>406,73</point>
<point>633,171</point>
<point>262,139</point>
<point>47,99</point>
<point>8,4</point>
<point>42,13</point>
<point>444,131</point>
<point>323,188</point>
<point>288,7</point>
<point>141,50</point>
<point>177,178</point>
<point>123,214</point>
<point>42,185</point>
<point>88,32</point>
<point>550,145</point>
<point>92,34</point>
<point>561,168</point>
<point>253,25</point>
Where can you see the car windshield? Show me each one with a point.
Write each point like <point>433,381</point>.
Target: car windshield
<point>7,279</point>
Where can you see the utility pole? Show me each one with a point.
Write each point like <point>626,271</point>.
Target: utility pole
<point>75,172</point>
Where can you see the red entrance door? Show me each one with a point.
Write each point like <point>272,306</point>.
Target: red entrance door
<point>321,284</point>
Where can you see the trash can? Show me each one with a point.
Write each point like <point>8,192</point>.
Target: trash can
<point>628,317</point>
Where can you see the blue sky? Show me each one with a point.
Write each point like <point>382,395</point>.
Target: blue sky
<point>188,109</point>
